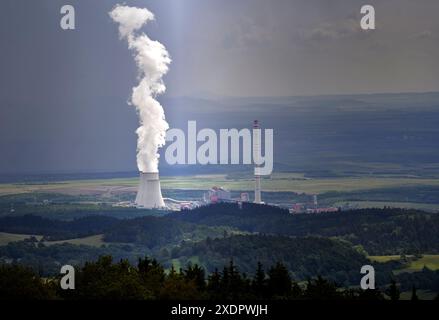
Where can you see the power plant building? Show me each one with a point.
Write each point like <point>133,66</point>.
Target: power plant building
<point>217,194</point>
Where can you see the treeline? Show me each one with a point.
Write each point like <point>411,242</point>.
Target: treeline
<point>149,231</point>
<point>159,232</point>
<point>379,231</point>
<point>304,257</point>
<point>107,280</point>
<point>47,259</point>
<point>56,229</point>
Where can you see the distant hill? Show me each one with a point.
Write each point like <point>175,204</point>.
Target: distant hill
<point>159,232</point>
<point>148,231</point>
<point>56,229</point>
<point>379,231</point>
<point>328,135</point>
<point>304,257</point>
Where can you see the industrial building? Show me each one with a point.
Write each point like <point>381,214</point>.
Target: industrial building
<point>217,194</point>
<point>149,195</point>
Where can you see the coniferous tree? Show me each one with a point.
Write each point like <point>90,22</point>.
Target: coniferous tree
<point>279,280</point>
<point>414,294</point>
<point>234,280</point>
<point>259,283</point>
<point>18,282</point>
<point>196,274</point>
<point>176,287</point>
<point>321,289</point>
<point>393,291</point>
<point>214,284</point>
<point>152,274</point>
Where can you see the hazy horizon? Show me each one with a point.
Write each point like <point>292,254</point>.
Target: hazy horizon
<point>63,94</point>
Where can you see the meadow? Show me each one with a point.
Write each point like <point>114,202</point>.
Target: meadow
<point>279,182</point>
<point>384,204</point>
<point>93,241</point>
<point>431,261</point>
<point>6,238</point>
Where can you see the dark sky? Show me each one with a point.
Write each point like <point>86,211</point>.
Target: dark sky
<point>63,93</point>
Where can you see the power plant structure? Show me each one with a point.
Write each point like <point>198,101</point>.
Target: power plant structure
<point>217,194</point>
<point>256,154</point>
<point>149,194</point>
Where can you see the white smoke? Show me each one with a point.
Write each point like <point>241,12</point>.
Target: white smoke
<point>152,60</point>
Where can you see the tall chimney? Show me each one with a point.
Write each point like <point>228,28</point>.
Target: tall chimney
<point>256,153</point>
<point>149,194</point>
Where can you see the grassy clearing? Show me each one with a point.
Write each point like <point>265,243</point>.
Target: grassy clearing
<point>93,241</point>
<point>6,238</point>
<point>279,183</point>
<point>430,261</point>
<point>382,259</point>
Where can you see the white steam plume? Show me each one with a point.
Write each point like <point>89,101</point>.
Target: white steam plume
<point>152,60</point>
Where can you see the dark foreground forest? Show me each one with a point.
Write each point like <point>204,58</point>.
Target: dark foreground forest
<point>148,280</point>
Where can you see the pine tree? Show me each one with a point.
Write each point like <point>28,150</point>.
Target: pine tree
<point>279,280</point>
<point>196,274</point>
<point>214,285</point>
<point>321,289</point>
<point>414,294</point>
<point>259,282</point>
<point>393,291</point>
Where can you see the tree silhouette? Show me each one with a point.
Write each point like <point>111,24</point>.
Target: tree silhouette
<point>393,291</point>
<point>259,283</point>
<point>109,280</point>
<point>414,294</point>
<point>196,274</point>
<point>321,289</point>
<point>279,280</point>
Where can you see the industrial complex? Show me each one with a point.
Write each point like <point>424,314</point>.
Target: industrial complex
<point>149,195</point>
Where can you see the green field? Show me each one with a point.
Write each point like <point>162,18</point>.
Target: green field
<point>391,204</point>
<point>430,261</point>
<point>294,182</point>
<point>283,182</point>
<point>94,241</point>
<point>383,259</point>
<point>6,238</point>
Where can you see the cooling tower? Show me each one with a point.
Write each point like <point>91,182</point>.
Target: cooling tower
<point>149,194</point>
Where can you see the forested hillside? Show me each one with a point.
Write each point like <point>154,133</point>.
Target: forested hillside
<point>304,257</point>
<point>334,245</point>
<point>56,229</point>
<point>379,231</point>
<point>155,232</point>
